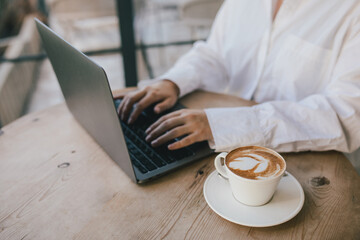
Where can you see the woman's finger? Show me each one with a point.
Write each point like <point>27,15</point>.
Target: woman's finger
<point>161,120</point>
<point>164,105</point>
<point>127,107</point>
<point>173,133</point>
<point>121,106</point>
<point>186,141</point>
<point>146,101</point>
<point>123,96</point>
<point>164,126</point>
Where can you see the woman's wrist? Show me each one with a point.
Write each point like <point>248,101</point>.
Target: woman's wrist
<point>173,86</point>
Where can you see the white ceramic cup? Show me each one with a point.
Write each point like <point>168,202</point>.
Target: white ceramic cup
<point>252,192</point>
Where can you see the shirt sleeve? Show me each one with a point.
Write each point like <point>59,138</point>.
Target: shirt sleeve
<point>202,62</point>
<point>326,121</point>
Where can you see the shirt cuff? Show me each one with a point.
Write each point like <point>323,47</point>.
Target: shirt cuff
<point>234,127</point>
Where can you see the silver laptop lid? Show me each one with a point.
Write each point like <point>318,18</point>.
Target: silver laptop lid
<point>88,96</point>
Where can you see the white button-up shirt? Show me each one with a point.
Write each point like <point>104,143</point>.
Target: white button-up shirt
<point>303,68</point>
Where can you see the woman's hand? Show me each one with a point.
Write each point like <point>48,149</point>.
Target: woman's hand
<point>192,123</point>
<point>164,92</point>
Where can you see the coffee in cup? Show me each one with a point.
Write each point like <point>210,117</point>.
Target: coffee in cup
<point>255,163</point>
<point>253,173</point>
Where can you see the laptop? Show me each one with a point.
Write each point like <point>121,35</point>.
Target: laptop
<point>88,97</point>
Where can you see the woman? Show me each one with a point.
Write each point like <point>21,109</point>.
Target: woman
<point>299,59</point>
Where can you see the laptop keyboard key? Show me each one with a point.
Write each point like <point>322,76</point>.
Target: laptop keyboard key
<point>157,160</point>
<point>146,157</point>
<point>180,154</point>
<point>138,165</point>
<point>147,164</point>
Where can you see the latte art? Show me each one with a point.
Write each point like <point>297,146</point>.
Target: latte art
<point>255,163</point>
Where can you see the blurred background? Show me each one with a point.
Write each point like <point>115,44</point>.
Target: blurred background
<point>161,32</point>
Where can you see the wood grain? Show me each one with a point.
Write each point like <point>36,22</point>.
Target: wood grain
<point>57,183</point>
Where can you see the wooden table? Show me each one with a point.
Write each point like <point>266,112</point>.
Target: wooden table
<point>57,183</point>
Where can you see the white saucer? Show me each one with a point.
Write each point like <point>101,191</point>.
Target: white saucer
<point>285,204</point>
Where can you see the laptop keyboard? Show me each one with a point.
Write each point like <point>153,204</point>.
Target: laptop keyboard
<point>143,155</point>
